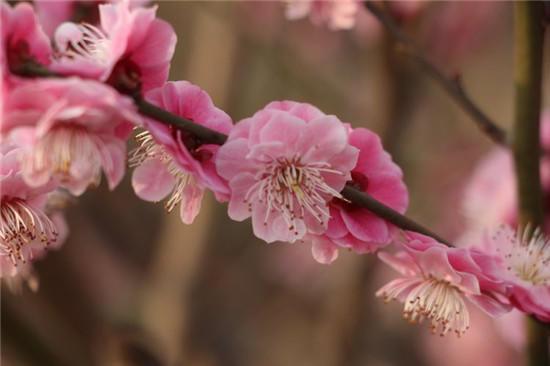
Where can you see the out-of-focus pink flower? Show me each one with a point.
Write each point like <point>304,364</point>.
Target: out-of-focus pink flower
<point>458,27</point>
<point>436,282</point>
<point>54,12</point>
<point>336,14</point>
<point>511,328</point>
<point>490,197</point>
<point>523,262</point>
<point>481,346</point>
<point>22,39</point>
<point>490,200</point>
<point>169,161</point>
<point>71,130</point>
<point>354,227</point>
<point>284,165</point>
<point>131,49</point>
<point>26,230</point>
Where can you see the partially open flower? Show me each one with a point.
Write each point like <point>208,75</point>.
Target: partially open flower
<point>26,229</point>
<point>438,280</point>
<point>130,48</point>
<point>523,262</point>
<point>170,162</point>
<point>70,130</point>
<point>284,165</point>
<point>358,228</point>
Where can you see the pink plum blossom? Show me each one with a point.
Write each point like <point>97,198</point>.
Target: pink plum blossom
<point>358,228</point>
<point>172,162</point>
<point>490,200</point>
<point>523,262</point>
<point>22,39</point>
<point>26,228</point>
<point>131,49</point>
<point>54,12</point>
<point>490,197</point>
<point>284,165</point>
<point>70,130</point>
<point>436,282</point>
<point>336,14</point>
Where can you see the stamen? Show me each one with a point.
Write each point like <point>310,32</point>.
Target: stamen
<point>21,226</point>
<point>82,41</point>
<point>293,189</point>
<point>429,298</point>
<point>526,254</point>
<point>149,149</point>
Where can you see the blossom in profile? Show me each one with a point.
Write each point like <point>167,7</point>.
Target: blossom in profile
<point>70,130</point>
<point>171,162</point>
<point>354,227</point>
<point>523,262</point>
<point>130,48</point>
<point>438,281</point>
<point>26,228</point>
<point>284,165</point>
<point>22,39</point>
<point>336,14</point>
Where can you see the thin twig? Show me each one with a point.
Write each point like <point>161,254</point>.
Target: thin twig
<point>452,86</point>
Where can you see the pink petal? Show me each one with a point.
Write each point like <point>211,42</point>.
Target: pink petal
<point>324,138</point>
<point>113,157</point>
<point>402,262</point>
<point>323,250</point>
<point>191,203</point>
<point>152,181</point>
<point>336,226</point>
<point>230,159</point>
<point>489,305</point>
<point>366,226</point>
<point>434,261</point>
<point>390,190</point>
<point>238,209</point>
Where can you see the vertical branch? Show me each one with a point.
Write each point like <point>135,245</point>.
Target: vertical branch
<point>529,34</point>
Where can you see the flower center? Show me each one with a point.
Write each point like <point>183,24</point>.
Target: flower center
<point>528,257</point>
<point>293,189</point>
<point>20,226</point>
<point>62,151</point>
<point>83,41</point>
<point>149,149</point>
<point>434,299</point>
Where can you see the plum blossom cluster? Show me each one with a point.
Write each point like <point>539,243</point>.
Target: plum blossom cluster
<point>284,168</point>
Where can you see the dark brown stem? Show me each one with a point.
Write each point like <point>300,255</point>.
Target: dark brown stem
<point>206,135</point>
<point>452,86</point>
<point>364,200</point>
<point>529,40</point>
<point>209,136</point>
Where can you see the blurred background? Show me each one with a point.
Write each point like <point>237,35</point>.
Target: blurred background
<point>134,286</point>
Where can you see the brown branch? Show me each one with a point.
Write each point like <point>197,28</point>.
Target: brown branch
<point>204,134</point>
<point>363,199</point>
<point>529,40</point>
<point>207,135</point>
<point>452,86</point>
